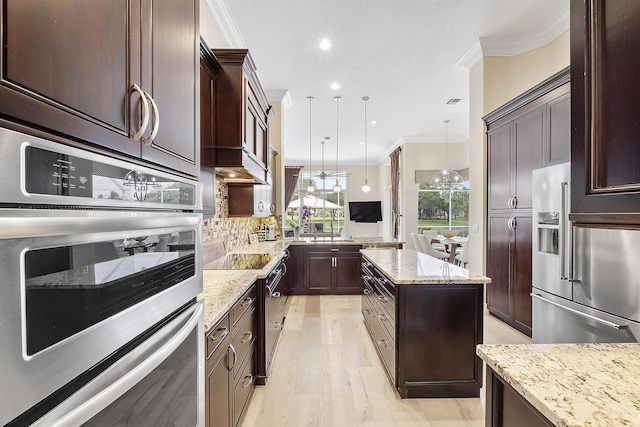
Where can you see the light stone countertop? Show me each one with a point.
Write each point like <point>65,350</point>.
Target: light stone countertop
<point>221,290</point>
<point>573,385</point>
<point>407,266</point>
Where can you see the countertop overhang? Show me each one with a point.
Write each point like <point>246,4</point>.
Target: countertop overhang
<point>407,266</point>
<point>573,385</point>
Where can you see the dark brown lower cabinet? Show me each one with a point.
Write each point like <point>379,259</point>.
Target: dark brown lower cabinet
<point>505,407</point>
<point>231,363</point>
<point>333,270</point>
<point>426,335</point>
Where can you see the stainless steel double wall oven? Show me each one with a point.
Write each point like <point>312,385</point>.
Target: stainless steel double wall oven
<point>100,266</point>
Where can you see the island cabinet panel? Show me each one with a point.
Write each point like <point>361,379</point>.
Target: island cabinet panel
<point>529,132</point>
<point>93,92</point>
<point>439,327</point>
<point>425,334</point>
<point>294,279</point>
<point>505,407</point>
<point>333,270</point>
<point>605,80</point>
<point>230,365</point>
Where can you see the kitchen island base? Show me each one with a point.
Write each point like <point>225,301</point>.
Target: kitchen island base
<point>425,331</point>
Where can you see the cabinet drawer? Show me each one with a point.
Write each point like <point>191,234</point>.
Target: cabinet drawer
<point>217,335</point>
<point>243,387</point>
<point>386,348</point>
<point>368,314</point>
<point>244,338</point>
<point>385,301</point>
<point>244,305</point>
<point>338,249</point>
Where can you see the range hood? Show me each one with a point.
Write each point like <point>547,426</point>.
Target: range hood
<point>251,172</point>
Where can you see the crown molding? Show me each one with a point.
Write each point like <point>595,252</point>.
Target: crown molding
<point>516,46</point>
<point>226,22</point>
<point>487,46</point>
<point>280,95</point>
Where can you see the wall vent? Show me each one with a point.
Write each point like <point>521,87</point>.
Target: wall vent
<point>453,101</point>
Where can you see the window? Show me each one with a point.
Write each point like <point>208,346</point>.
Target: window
<point>325,209</point>
<point>436,211</point>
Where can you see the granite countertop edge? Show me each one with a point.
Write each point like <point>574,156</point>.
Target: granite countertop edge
<point>221,290</point>
<point>573,385</point>
<point>401,266</point>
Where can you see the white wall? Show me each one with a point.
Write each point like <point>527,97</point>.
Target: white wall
<point>209,29</point>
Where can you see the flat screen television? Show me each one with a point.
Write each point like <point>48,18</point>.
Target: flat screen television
<point>365,211</point>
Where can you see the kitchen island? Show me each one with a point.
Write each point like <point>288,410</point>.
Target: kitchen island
<point>564,385</point>
<point>425,317</point>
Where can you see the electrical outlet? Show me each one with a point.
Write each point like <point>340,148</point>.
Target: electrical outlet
<point>476,228</point>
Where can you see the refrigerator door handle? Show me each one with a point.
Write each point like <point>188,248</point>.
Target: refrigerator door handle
<point>565,243</point>
<point>579,313</point>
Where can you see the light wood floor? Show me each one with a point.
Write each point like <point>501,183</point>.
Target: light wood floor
<point>326,373</point>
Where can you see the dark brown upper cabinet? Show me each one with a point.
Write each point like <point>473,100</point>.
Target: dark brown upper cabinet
<point>605,112</point>
<point>119,75</point>
<point>242,118</point>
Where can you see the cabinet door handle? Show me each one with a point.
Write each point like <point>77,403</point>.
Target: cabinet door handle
<point>284,269</point>
<point>276,295</point>
<point>272,207</point>
<point>145,114</point>
<point>235,357</point>
<point>156,121</point>
<point>248,380</point>
<point>260,206</point>
<point>219,334</point>
<point>248,336</point>
<point>514,223</point>
<point>334,249</point>
<point>515,202</point>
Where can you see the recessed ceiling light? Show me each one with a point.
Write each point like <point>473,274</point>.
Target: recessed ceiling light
<point>361,142</point>
<point>334,86</point>
<point>374,122</point>
<point>232,175</point>
<point>325,44</point>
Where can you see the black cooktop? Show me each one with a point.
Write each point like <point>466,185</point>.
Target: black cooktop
<point>240,262</point>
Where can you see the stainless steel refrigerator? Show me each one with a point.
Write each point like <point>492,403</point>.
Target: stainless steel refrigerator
<point>586,281</point>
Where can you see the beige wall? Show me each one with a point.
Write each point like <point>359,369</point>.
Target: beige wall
<point>209,28</point>
<point>493,81</point>
<point>506,77</point>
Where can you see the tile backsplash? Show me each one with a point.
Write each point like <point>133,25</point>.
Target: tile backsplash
<point>235,231</point>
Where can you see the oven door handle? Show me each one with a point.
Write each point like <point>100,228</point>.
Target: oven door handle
<point>21,227</point>
<point>129,371</point>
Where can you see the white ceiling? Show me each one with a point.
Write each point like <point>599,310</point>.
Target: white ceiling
<point>408,56</point>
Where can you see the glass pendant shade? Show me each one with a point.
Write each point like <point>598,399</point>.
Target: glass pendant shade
<point>366,187</point>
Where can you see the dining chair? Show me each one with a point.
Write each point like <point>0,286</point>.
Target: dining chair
<point>416,242</point>
<point>432,236</point>
<point>428,249</point>
<point>462,258</point>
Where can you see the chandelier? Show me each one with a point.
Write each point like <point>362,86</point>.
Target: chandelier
<point>446,181</point>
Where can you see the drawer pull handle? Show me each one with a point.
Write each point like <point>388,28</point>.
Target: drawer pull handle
<point>246,337</point>
<point>246,302</point>
<point>235,357</point>
<point>367,311</point>
<point>382,317</point>
<point>276,295</point>
<point>277,325</point>
<point>382,298</point>
<point>382,342</point>
<point>248,380</point>
<point>219,334</point>
<point>367,292</point>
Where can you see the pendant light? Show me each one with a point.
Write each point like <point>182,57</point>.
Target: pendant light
<point>446,180</point>
<point>365,187</point>
<point>310,187</point>
<point>337,188</point>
